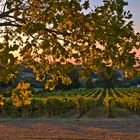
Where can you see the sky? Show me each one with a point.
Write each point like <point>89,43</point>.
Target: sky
<point>133,6</point>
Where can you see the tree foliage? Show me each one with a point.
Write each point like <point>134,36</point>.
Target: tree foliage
<point>21,95</point>
<point>73,73</point>
<point>47,33</point>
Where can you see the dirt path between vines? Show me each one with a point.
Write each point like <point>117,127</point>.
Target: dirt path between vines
<point>70,129</point>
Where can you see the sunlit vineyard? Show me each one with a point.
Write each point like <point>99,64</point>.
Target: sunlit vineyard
<point>81,101</point>
<point>109,99</point>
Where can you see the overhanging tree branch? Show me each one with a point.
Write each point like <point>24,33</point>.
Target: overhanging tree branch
<point>9,24</point>
<point>5,14</point>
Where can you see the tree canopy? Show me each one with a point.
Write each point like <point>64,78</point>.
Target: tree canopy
<point>48,33</point>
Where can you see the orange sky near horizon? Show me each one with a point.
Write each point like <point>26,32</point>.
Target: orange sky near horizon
<point>138,53</point>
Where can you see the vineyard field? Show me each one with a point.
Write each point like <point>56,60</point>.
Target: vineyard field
<point>78,103</point>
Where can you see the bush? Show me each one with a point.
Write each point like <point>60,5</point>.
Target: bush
<point>50,106</point>
<point>84,104</point>
<point>57,105</point>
